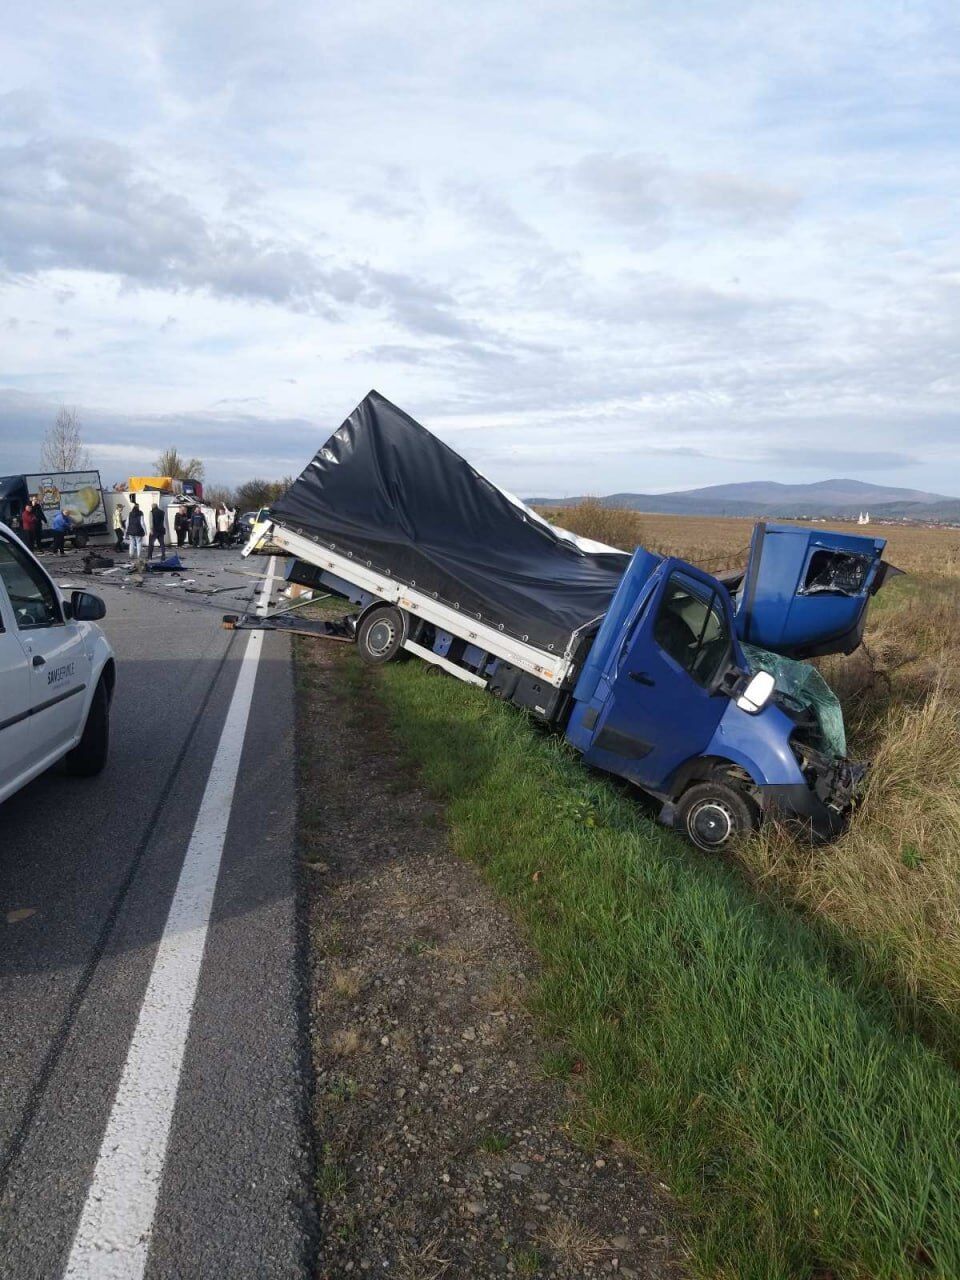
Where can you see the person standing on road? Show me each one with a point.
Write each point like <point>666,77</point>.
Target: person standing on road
<point>197,524</point>
<point>118,525</point>
<point>181,525</point>
<point>61,526</point>
<point>135,530</point>
<point>158,531</point>
<point>41,520</point>
<point>223,527</point>
<point>28,524</point>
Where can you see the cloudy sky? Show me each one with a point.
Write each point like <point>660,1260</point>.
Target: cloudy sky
<point>596,246</point>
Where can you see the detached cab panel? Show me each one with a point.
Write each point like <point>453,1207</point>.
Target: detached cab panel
<point>805,592</point>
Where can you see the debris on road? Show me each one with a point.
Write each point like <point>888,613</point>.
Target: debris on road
<point>338,629</point>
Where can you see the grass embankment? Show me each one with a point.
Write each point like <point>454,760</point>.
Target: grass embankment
<point>893,881</point>
<point>722,1039</point>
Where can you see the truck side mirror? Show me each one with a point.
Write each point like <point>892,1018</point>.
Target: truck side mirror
<point>757,693</point>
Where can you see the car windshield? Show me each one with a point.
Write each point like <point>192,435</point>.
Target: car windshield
<point>33,598</point>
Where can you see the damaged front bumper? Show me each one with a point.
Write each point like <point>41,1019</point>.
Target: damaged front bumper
<point>824,801</point>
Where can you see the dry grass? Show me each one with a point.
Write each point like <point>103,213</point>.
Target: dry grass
<point>713,544</point>
<point>573,1243</point>
<point>893,880</point>
<point>345,1042</point>
<point>424,1262</point>
<point>346,984</point>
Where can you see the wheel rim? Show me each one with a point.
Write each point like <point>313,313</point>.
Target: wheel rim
<point>380,637</point>
<point>711,824</point>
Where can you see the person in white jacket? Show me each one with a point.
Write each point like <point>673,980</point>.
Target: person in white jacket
<point>224,524</point>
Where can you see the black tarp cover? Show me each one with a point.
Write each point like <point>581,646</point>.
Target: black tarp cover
<point>387,490</point>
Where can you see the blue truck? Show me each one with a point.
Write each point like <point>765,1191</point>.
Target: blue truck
<point>690,685</point>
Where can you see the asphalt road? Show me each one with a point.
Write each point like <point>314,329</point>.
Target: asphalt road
<point>96,862</point>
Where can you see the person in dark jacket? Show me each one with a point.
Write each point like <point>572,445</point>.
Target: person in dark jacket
<point>41,520</point>
<point>197,527</point>
<point>158,530</point>
<point>135,529</point>
<point>181,525</point>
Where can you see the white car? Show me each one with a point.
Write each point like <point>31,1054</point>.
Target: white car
<point>57,673</point>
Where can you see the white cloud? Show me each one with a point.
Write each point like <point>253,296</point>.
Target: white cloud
<point>599,247</point>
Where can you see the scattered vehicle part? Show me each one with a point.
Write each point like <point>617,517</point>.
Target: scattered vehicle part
<point>57,673</point>
<point>338,629</point>
<point>639,660</point>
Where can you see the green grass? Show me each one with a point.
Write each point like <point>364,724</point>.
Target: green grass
<point>527,1261</point>
<point>331,1176</point>
<point>494,1144</point>
<point>737,1050</point>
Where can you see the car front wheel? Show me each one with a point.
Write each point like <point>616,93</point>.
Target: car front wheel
<point>90,754</point>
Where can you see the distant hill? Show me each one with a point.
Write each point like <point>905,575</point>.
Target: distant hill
<point>824,499</point>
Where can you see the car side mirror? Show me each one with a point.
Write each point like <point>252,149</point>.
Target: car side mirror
<point>758,692</point>
<point>86,607</point>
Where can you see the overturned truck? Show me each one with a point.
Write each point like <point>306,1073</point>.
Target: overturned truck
<point>689,685</point>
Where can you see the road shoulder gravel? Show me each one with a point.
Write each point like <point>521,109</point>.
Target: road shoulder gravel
<point>445,1137</point>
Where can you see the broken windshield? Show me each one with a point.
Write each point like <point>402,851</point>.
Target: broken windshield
<point>804,687</point>
<point>838,572</point>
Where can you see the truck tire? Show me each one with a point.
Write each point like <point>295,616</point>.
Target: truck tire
<point>79,541</point>
<point>90,754</point>
<point>713,815</point>
<point>380,636</point>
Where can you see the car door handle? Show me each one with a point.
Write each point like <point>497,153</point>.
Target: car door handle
<point>641,677</point>
<point>39,660</point>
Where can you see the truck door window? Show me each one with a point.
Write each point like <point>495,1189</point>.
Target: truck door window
<point>837,572</point>
<point>32,597</point>
<point>692,630</point>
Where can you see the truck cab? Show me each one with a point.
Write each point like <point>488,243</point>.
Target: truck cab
<point>664,697</point>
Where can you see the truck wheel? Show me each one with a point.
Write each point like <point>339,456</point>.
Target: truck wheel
<point>90,754</point>
<point>80,541</point>
<point>380,636</point>
<point>712,815</point>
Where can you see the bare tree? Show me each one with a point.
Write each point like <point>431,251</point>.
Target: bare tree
<point>254,494</point>
<point>216,495</point>
<point>170,463</point>
<point>63,448</point>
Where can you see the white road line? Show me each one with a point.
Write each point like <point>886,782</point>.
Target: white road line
<point>113,1236</point>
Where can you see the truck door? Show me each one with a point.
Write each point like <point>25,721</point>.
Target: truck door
<point>806,591</point>
<point>16,750</point>
<point>59,666</point>
<point>662,707</point>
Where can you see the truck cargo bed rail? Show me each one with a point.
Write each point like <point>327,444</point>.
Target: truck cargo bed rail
<point>554,669</point>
